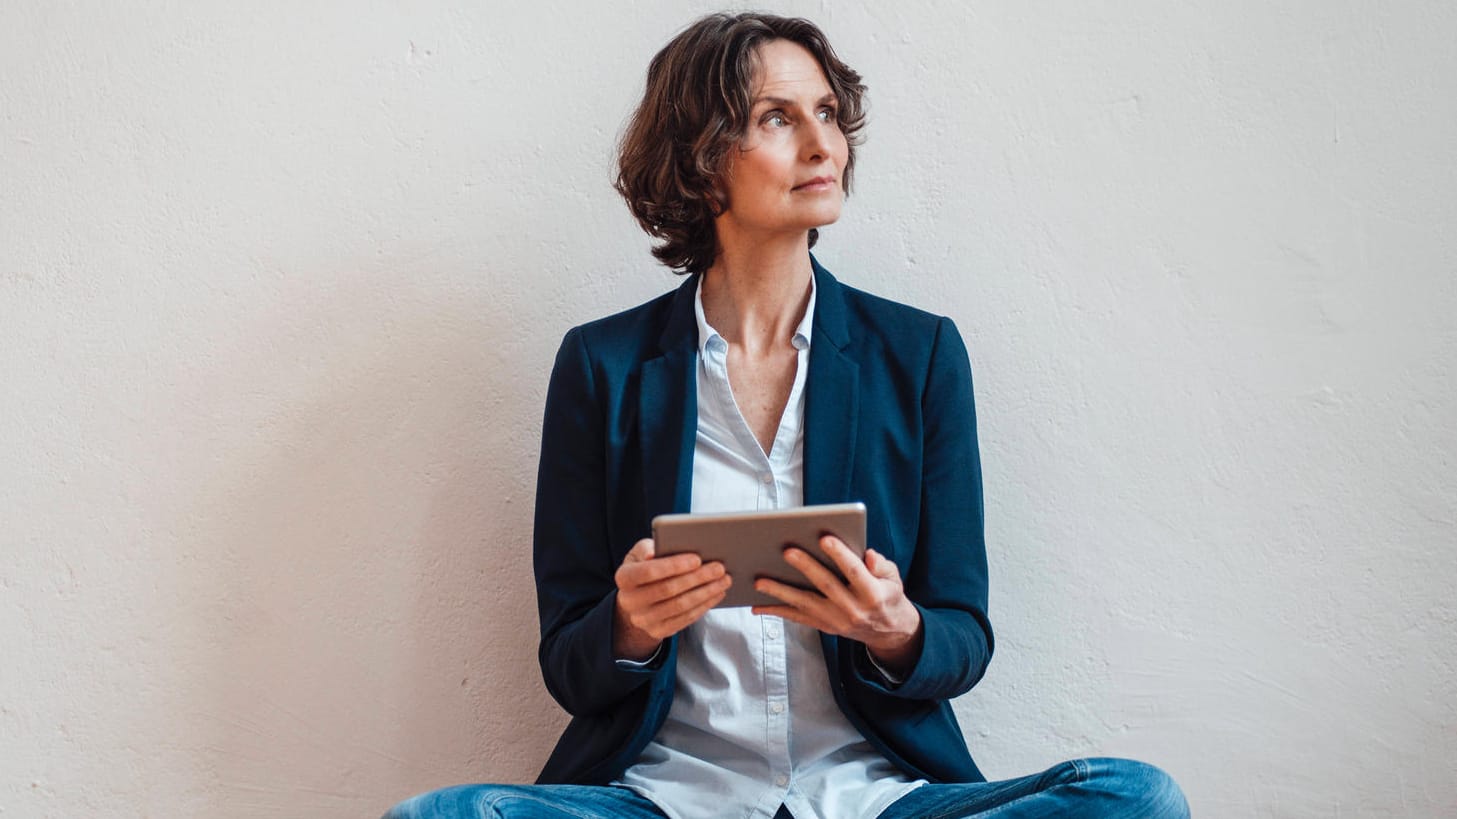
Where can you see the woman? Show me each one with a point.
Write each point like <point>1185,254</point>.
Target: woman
<point>764,383</point>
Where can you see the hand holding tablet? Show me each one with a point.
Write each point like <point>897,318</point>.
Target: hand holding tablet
<point>751,545</point>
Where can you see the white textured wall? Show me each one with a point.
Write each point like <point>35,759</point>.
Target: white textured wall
<point>280,284</point>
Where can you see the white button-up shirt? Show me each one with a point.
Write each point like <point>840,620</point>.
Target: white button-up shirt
<point>753,723</point>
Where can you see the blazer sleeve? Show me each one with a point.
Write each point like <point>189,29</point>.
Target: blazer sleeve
<point>947,575</point>
<point>572,558</point>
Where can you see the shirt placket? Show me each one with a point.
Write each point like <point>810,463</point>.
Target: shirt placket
<point>774,651</point>
<point>767,494</point>
<point>776,703</point>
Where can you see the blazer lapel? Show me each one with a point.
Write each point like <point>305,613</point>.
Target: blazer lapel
<point>667,399</point>
<point>832,398</point>
<point>832,418</point>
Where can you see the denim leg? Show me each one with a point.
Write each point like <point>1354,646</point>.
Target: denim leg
<point>1081,789</point>
<point>526,802</point>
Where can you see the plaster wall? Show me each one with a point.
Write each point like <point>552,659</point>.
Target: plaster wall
<point>280,286</point>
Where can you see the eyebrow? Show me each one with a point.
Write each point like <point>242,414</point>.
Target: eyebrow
<point>830,97</point>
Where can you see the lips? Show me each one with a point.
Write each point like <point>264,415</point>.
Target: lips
<point>818,183</point>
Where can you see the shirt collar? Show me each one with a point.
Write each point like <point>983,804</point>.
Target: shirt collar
<point>706,333</point>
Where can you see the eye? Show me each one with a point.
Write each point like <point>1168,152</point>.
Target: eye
<point>827,114</point>
<point>775,119</point>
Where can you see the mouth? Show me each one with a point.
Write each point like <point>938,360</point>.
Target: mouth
<point>819,183</point>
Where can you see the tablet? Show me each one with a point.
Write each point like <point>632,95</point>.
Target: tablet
<point>751,544</point>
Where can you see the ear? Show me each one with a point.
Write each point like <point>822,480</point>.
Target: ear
<point>717,199</point>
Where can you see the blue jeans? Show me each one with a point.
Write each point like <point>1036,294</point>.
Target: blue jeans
<point>1080,789</point>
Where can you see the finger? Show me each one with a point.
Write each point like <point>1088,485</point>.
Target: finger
<point>676,585</point>
<point>857,576</point>
<point>672,616</point>
<point>795,615</point>
<point>821,578</point>
<point>643,572</point>
<point>792,595</point>
<point>682,621</point>
<point>881,566</point>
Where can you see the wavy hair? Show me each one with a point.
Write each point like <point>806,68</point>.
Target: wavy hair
<point>694,111</point>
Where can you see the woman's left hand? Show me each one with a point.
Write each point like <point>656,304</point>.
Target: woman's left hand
<point>871,607</point>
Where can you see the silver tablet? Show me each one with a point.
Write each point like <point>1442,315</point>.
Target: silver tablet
<point>751,544</point>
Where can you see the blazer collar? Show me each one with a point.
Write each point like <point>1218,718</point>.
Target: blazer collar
<point>667,410</point>
<point>829,306</point>
<point>681,329</point>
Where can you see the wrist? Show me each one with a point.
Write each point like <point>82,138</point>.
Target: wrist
<point>902,649</point>
<point>628,641</point>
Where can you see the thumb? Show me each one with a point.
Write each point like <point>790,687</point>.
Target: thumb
<point>640,551</point>
<point>880,565</point>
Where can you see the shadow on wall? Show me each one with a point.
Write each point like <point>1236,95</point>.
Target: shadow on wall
<point>366,536</point>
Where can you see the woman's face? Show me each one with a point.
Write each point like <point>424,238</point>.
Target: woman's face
<point>786,175</point>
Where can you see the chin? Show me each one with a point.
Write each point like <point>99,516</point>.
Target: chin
<point>819,217</point>
<point>828,219</point>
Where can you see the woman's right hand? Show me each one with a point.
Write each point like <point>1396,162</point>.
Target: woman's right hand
<point>658,597</point>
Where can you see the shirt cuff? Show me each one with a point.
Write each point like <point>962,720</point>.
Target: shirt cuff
<point>650,664</point>
<point>890,677</point>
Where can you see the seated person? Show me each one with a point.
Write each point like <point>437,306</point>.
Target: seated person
<point>762,382</point>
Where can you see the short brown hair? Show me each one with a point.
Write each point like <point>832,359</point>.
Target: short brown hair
<point>694,111</point>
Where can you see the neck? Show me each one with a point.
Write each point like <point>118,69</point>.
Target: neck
<point>755,295</point>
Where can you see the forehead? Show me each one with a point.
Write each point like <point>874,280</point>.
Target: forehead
<point>787,69</point>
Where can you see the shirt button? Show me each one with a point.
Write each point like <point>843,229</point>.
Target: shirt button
<point>767,477</point>
<point>773,632</point>
<point>781,780</point>
<point>777,708</point>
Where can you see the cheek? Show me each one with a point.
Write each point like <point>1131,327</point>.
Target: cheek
<point>770,175</point>
<point>841,149</point>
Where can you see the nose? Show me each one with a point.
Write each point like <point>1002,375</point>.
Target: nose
<point>816,140</point>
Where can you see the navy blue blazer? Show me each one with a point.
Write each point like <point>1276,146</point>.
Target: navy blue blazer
<point>889,421</point>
